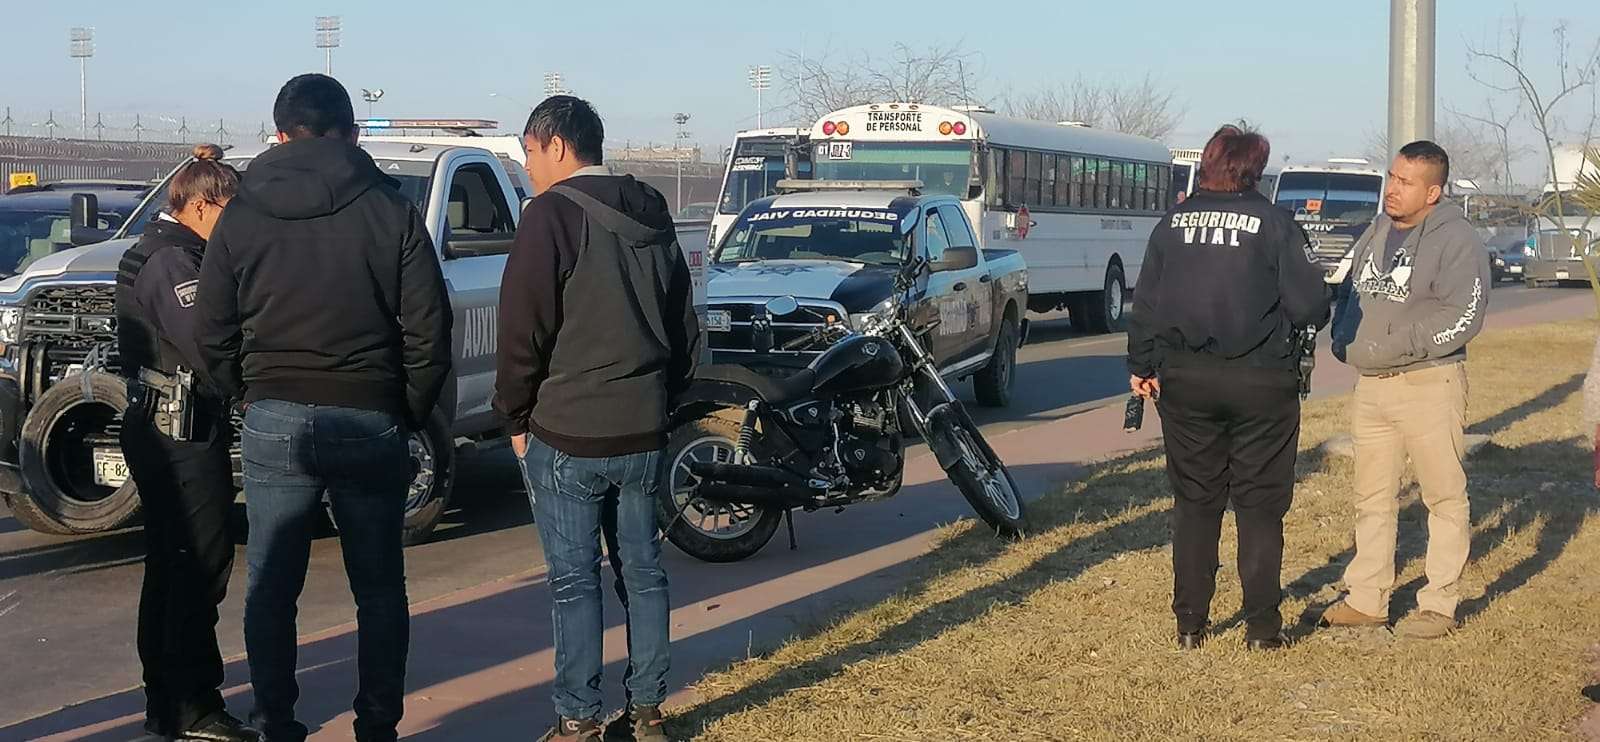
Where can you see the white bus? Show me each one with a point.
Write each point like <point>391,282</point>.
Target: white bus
<point>1186,173</point>
<point>755,165</point>
<point>1078,203</point>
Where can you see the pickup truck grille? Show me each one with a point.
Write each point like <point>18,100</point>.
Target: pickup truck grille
<point>61,325</point>
<point>86,314</point>
<point>745,341</point>
<point>1330,246</point>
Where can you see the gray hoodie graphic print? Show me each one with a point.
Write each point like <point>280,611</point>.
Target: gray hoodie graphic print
<point>1423,306</point>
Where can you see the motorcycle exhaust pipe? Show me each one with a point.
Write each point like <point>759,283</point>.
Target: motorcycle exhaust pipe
<point>748,475</point>
<point>737,494</point>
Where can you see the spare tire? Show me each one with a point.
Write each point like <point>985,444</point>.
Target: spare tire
<point>56,458</point>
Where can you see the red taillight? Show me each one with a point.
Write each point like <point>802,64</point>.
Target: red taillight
<point>828,128</point>
<point>959,128</point>
<point>842,128</point>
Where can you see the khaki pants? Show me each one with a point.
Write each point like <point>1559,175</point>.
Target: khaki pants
<point>1423,414</point>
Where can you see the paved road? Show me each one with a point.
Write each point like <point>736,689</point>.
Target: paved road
<point>67,605</point>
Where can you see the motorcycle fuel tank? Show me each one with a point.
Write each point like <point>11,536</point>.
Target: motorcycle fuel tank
<point>857,363</point>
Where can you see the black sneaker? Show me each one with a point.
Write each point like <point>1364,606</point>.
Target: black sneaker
<point>219,727</point>
<point>638,724</point>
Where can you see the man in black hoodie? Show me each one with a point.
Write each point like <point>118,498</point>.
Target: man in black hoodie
<point>322,307</point>
<point>597,331</point>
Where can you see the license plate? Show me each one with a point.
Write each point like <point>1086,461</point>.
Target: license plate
<point>1561,275</point>
<point>110,469</point>
<point>718,320</point>
<point>839,150</point>
<point>1516,269</point>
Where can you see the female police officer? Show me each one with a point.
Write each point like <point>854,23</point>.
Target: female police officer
<point>176,438</point>
<point>1228,278</point>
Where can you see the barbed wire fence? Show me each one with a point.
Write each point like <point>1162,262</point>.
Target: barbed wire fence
<point>132,127</point>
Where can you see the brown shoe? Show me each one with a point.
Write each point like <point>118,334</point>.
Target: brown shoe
<point>638,724</point>
<point>1342,615</point>
<point>1425,625</point>
<point>573,730</point>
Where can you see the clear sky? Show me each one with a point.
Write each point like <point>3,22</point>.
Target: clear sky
<point>1312,75</point>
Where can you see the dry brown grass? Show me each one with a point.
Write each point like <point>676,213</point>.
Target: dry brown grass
<point>1068,634</point>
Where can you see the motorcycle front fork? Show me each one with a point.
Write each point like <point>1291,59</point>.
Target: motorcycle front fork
<point>922,363</point>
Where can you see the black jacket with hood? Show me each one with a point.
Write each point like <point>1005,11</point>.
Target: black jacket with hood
<point>597,322</point>
<point>320,285</point>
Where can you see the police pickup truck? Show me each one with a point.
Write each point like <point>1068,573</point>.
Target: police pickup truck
<point>61,398</point>
<point>836,246</point>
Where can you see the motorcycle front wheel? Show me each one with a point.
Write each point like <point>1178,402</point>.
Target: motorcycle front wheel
<point>980,475</point>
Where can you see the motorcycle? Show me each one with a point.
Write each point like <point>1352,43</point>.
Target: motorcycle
<point>748,449</point>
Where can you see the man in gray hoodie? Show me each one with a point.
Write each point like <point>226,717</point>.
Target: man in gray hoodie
<point>1416,293</point>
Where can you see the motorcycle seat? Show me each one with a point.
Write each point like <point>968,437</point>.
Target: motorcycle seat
<point>773,391</point>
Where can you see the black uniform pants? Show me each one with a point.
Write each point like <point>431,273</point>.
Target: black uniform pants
<point>1231,435</point>
<point>187,493</point>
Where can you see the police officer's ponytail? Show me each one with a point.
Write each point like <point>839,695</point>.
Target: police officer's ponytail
<point>206,177</point>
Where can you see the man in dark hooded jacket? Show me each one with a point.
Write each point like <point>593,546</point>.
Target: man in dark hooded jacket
<point>322,308</point>
<point>597,332</point>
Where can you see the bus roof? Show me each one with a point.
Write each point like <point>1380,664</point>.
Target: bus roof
<point>788,131</point>
<point>918,122</point>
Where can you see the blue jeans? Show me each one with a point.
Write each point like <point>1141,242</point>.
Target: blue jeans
<point>576,502</point>
<point>293,453</point>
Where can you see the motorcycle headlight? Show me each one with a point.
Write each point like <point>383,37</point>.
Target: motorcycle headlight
<point>874,316</point>
<point>10,324</point>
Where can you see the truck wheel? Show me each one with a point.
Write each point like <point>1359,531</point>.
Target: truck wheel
<point>708,532</point>
<point>56,459</point>
<point>994,383</point>
<point>433,467</point>
<point>1105,307</point>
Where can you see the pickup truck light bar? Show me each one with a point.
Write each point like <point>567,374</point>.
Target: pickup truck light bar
<point>794,185</point>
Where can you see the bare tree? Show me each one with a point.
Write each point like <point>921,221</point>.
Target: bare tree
<point>818,84</point>
<point>1145,107</point>
<point>1498,128</point>
<point>1506,69</point>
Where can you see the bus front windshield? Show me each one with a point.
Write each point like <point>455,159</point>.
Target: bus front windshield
<point>1339,197</point>
<point>943,167</point>
<point>754,176</point>
<point>870,236</point>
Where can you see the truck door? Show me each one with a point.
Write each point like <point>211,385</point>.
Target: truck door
<point>979,295</point>
<point>477,228</point>
<point>949,291</point>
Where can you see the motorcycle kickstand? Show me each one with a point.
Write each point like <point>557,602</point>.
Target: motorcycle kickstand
<point>788,518</point>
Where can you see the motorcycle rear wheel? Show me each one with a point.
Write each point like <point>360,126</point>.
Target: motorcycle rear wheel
<point>710,532</point>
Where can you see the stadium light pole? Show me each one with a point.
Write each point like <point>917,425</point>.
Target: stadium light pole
<point>81,47</point>
<point>553,85</point>
<point>328,28</point>
<point>760,80</point>
<point>677,151</point>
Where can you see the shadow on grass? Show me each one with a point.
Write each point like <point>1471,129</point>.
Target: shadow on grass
<point>1072,559</point>
<point>1499,512</point>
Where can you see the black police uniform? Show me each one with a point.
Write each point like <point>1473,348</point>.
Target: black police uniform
<point>1227,279</point>
<point>186,487</point>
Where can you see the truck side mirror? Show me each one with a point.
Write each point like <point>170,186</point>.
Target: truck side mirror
<point>85,211</point>
<point>974,191</point>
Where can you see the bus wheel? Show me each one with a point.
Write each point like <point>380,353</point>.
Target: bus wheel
<point>1106,307</point>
